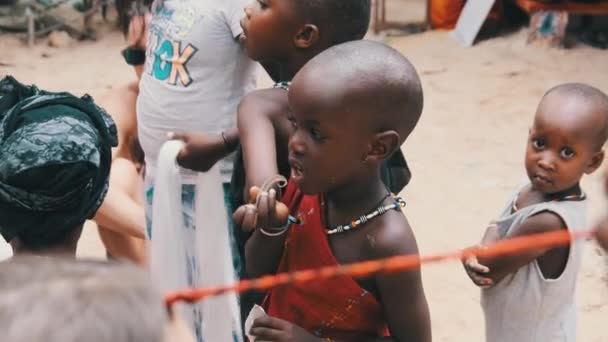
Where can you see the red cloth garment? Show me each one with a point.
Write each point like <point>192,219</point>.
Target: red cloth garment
<point>336,308</point>
<point>444,14</point>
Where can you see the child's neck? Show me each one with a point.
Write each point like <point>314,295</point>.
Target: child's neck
<point>572,191</point>
<point>290,66</point>
<point>531,196</point>
<point>287,73</point>
<point>67,247</point>
<point>353,200</point>
<point>66,251</point>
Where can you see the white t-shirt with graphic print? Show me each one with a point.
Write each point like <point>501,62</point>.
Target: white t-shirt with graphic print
<point>195,75</point>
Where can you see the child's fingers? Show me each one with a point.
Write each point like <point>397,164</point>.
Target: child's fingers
<point>282,212</point>
<point>239,215</point>
<point>245,216</point>
<point>272,199</point>
<point>473,264</point>
<point>268,322</point>
<point>178,136</point>
<point>478,279</point>
<point>264,213</point>
<point>482,282</point>
<point>479,268</point>
<point>476,272</point>
<point>266,334</point>
<point>271,213</point>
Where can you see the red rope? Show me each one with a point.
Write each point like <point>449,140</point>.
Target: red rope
<point>388,265</point>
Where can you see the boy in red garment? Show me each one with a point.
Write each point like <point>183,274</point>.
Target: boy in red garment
<point>352,107</point>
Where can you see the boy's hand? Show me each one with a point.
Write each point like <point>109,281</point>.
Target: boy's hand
<point>474,269</point>
<point>264,211</point>
<point>200,151</point>
<point>272,329</point>
<point>476,272</point>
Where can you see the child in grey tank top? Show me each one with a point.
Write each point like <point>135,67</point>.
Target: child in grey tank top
<point>529,297</point>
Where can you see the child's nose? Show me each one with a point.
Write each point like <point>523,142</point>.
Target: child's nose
<point>546,162</point>
<point>296,144</point>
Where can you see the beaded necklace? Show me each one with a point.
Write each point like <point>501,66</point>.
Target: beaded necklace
<point>580,197</point>
<point>282,85</point>
<point>398,203</point>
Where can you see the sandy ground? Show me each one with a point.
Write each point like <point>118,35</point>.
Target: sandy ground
<point>466,154</point>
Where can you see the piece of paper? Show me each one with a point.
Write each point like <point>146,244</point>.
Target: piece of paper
<point>254,314</point>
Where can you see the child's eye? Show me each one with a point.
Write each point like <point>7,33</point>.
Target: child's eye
<point>567,153</point>
<point>316,135</point>
<point>263,4</point>
<point>538,144</point>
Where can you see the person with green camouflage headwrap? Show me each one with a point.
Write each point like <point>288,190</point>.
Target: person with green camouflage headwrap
<point>55,157</point>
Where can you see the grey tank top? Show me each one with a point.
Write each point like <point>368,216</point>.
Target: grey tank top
<point>525,306</point>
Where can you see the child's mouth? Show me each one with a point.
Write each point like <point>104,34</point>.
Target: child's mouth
<point>296,170</point>
<point>296,174</point>
<point>541,180</point>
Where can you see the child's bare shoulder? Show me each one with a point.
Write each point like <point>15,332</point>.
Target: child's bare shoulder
<point>264,105</point>
<point>266,99</point>
<point>392,235</point>
<point>542,222</point>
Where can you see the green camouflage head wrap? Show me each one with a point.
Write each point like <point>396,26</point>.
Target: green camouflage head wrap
<point>55,157</point>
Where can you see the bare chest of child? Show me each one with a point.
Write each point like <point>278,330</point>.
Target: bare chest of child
<point>357,246</point>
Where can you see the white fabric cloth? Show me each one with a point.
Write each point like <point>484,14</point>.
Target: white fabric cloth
<point>171,266</point>
<point>6,252</point>
<point>214,257</point>
<point>167,264</point>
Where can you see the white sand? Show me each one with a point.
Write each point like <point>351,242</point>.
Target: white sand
<point>466,154</point>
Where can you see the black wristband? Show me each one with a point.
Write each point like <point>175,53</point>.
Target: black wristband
<point>134,56</point>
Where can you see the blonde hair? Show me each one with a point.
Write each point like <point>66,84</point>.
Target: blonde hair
<point>64,300</point>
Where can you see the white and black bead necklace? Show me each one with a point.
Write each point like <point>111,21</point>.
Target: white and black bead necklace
<point>398,203</point>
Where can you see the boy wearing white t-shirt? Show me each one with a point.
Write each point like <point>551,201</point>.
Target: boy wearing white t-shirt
<point>195,75</point>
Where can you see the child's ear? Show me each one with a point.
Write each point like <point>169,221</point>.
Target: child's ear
<point>307,36</point>
<point>596,162</point>
<point>383,145</point>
